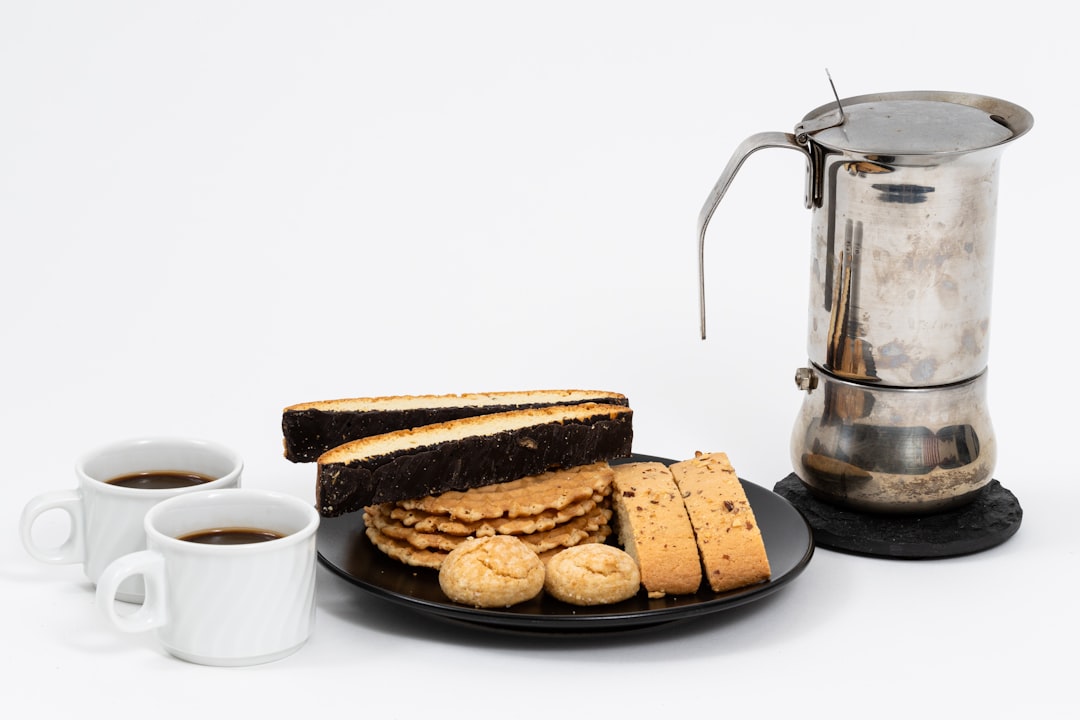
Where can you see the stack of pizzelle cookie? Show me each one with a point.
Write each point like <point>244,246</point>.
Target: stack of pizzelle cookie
<point>493,490</point>
<point>547,512</point>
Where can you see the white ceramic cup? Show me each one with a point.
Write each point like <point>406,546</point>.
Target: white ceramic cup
<point>107,520</point>
<point>222,604</point>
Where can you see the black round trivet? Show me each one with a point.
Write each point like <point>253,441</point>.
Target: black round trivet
<point>988,520</point>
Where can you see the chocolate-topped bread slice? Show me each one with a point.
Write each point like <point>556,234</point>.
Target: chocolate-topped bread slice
<point>469,452</point>
<point>310,429</point>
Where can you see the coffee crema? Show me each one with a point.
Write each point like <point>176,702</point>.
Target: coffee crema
<point>161,479</point>
<point>231,536</point>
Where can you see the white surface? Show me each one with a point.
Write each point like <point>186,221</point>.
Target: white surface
<point>211,210</point>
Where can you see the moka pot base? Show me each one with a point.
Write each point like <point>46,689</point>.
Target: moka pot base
<point>990,519</point>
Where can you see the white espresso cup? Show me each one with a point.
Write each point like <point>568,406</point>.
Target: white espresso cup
<point>222,604</point>
<point>106,518</point>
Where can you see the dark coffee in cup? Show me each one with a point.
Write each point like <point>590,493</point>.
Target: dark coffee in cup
<point>231,536</point>
<point>160,479</point>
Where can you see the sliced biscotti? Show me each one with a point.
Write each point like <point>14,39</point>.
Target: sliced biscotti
<point>728,537</point>
<point>654,529</point>
<point>310,429</point>
<point>468,453</point>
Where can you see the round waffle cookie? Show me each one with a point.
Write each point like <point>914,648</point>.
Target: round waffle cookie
<point>526,497</point>
<point>565,534</point>
<point>433,557</point>
<point>404,552</point>
<point>433,523</point>
<point>547,513</point>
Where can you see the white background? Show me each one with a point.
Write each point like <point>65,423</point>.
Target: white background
<point>212,210</point>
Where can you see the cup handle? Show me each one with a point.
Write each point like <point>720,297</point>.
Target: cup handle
<point>73,549</point>
<point>152,613</point>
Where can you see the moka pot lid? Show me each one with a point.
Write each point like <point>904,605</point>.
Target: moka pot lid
<point>915,123</point>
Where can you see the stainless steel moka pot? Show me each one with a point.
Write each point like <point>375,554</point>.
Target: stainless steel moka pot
<point>902,188</point>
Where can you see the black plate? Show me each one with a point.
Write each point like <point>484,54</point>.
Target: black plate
<point>344,549</point>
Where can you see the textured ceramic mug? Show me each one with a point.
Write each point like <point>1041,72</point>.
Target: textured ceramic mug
<point>213,604</point>
<point>107,519</point>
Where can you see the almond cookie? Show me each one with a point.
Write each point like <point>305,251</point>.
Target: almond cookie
<point>592,574</point>
<point>487,572</point>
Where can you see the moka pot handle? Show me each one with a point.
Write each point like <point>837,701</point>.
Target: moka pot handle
<point>748,147</point>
